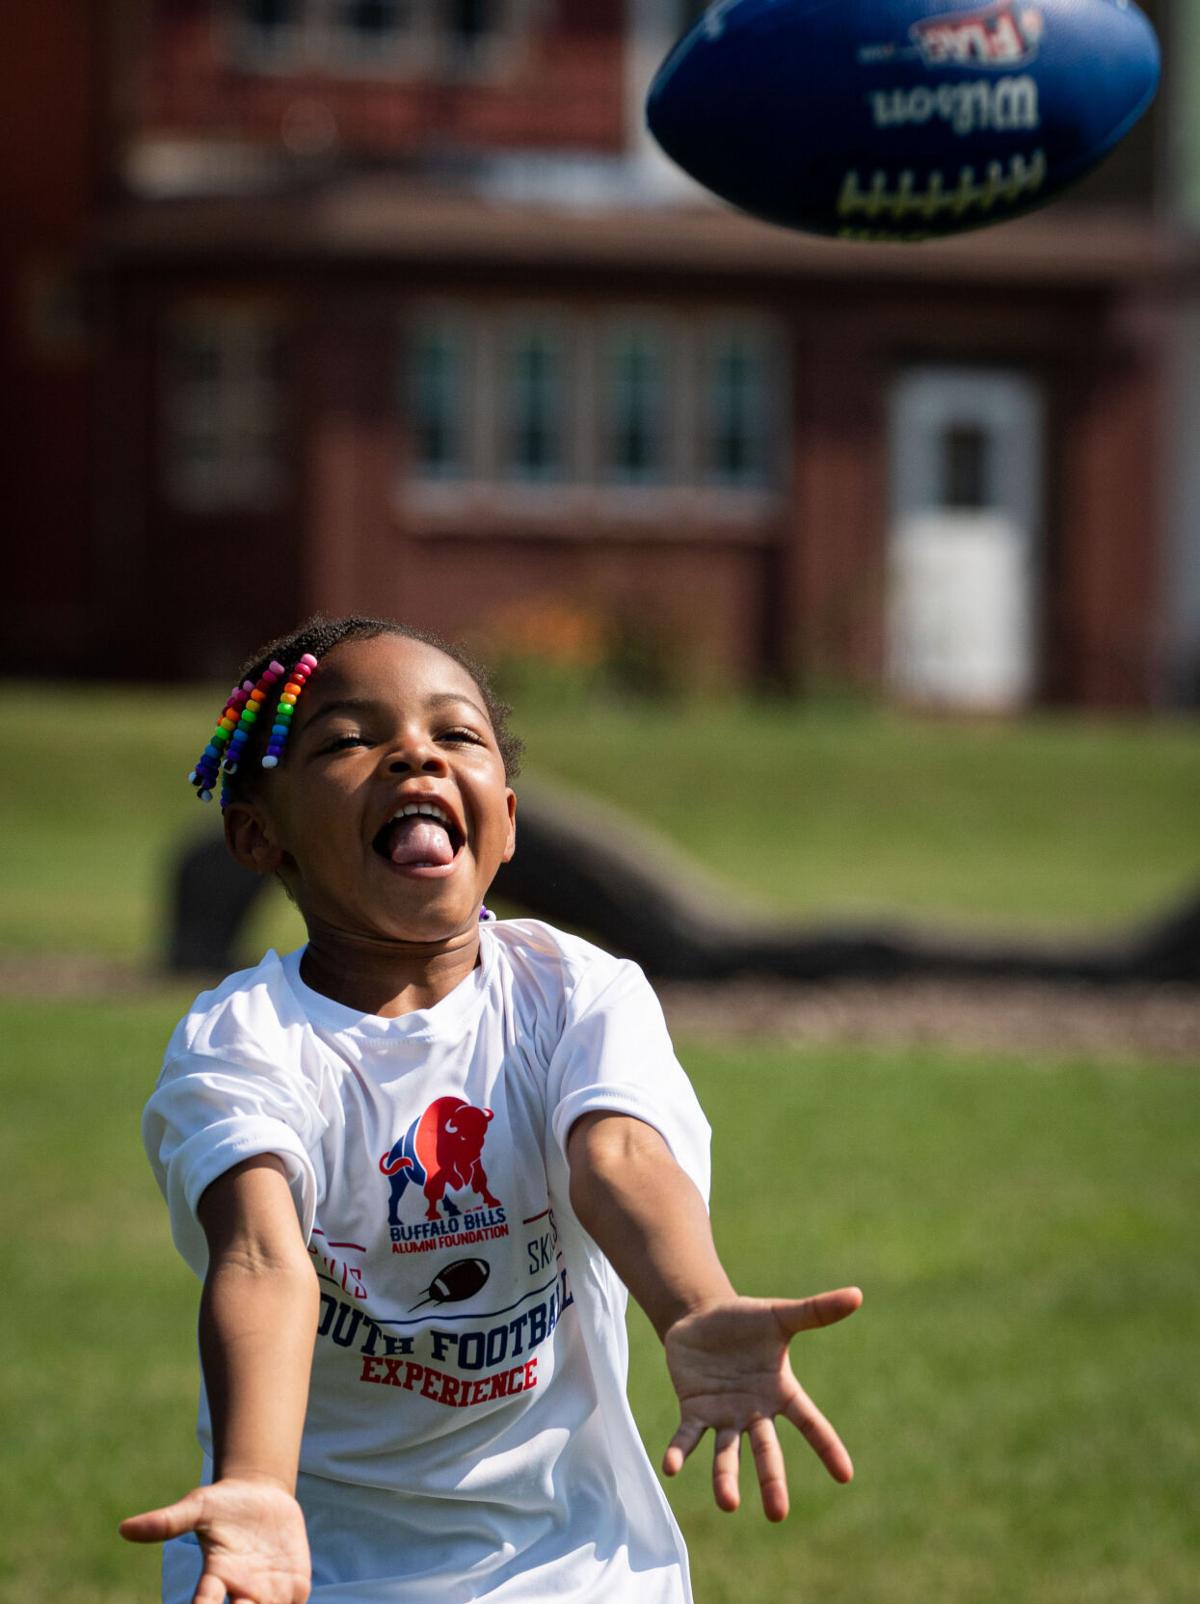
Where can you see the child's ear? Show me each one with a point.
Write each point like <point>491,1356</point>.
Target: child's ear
<point>511,844</point>
<point>251,838</point>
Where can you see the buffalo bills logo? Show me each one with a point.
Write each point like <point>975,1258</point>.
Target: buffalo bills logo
<point>440,1151</point>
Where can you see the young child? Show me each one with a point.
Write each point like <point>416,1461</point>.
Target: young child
<point>445,1146</point>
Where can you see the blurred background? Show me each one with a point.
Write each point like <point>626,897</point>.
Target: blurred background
<point>864,581</point>
<point>396,303</point>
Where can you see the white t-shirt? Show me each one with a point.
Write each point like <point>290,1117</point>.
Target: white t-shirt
<point>468,1434</point>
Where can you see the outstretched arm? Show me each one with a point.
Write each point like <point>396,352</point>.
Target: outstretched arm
<point>258,1318</point>
<point>727,1355</point>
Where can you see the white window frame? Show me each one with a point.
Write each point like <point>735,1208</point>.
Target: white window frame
<point>284,50</point>
<point>657,328</point>
<point>458,323</point>
<point>322,40</point>
<point>590,483</point>
<point>556,326</point>
<point>410,51</point>
<point>497,55</point>
<point>765,339</point>
<point>242,407</point>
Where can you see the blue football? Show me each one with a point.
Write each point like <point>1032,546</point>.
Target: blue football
<point>901,119</point>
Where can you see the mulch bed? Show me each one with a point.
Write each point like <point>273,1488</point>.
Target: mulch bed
<point>1095,1022</point>
<point>1074,1021</point>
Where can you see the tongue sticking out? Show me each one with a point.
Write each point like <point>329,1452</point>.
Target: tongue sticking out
<point>419,839</point>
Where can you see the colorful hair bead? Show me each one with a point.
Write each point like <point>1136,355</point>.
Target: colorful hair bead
<point>237,720</point>
<point>285,708</point>
<point>204,775</point>
<point>248,714</point>
<point>245,706</point>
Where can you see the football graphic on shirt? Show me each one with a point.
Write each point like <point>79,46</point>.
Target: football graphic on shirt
<point>456,1282</point>
<point>441,1151</point>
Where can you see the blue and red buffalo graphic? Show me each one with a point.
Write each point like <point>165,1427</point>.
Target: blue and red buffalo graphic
<point>440,1150</point>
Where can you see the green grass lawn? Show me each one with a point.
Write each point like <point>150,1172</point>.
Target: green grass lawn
<point>1049,824</point>
<point>1018,1390</point>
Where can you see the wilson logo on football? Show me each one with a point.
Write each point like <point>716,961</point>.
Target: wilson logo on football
<point>981,105</point>
<point>1004,35</point>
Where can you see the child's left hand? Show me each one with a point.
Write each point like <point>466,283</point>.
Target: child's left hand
<point>730,1368</point>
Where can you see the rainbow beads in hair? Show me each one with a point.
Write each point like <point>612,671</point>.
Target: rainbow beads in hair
<point>246,704</point>
<point>251,707</point>
<point>238,718</point>
<point>285,709</point>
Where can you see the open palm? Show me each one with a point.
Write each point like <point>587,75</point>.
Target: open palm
<point>730,1369</point>
<point>252,1537</point>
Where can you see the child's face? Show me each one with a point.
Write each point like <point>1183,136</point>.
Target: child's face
<point>382,724</point>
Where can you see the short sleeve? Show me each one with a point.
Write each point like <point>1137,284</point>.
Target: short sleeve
<point>615,1056</point>
<point>206,1115</point>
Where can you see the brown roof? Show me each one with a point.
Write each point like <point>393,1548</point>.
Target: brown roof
<point>397,221</point>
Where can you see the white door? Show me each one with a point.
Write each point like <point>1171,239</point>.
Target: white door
<point>966,495</point>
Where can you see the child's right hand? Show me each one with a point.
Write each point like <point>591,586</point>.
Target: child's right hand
<point>252,1536</point>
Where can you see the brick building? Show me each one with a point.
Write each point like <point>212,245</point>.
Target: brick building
<point>389,306</point>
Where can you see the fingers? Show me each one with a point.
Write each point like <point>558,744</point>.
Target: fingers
<point>820,1436</point>
<point>681,1445</point>
<point>768,1462</point>
<point>213,1589</point>
<point>768,1455</point>
<point>726,1458</point>
<point>157,1525</point>
<point>825,1309</point>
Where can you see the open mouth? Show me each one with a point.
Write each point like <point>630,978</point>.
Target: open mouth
<point>420,835</point>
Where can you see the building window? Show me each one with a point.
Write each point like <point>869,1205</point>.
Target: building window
<point>965,449</point>
<point>635,448</point>
<point>738,450</point>
<point>537,404</point>
<point>223,410</point>
<point>376,34</point>
<point>449,38</point>
<point>439,388</point>
<point>626,401</point>
<point>475,34</point>
<point>269,31</point>
<point>373,21</point>
<point>271,18</point>
<point>470,23</point>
